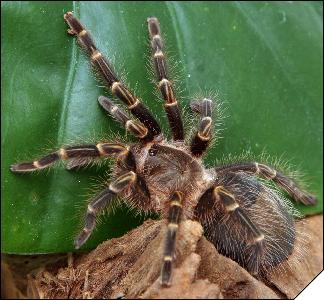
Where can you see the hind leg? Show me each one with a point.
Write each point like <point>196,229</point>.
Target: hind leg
<point>227,203</point>
<point>269,173</point>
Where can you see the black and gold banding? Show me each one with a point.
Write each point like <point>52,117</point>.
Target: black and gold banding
<point>174,217</point>
<point>226,198</point>
<point>62,154</point>
<point>158,53</point>
<point>135,127</point>
<point>136,108</point>
<point>175,208</point>
<point>265,171</point>
<point>120,91</point>
<point>106,72</point>
<point>164,84</point>
<point>118,185</point>
<point>259,238</point>
<point>175,201</point>
<point>82,33</point>
<point>204,131</point>
<point>167,258</point>
<point>96,55</point>
<point>81,151</point>
<point>101,64</point>
<point>160,65</point>
<point>132,103</point>
<point>167,92</point>
<point>270,173</point>
<point>76,28</point>
<point>112,149</point>
<point>233,207</point>
<point>203,135</point>
<point>100,202</point>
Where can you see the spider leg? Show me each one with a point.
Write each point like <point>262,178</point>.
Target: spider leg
<point>205,210</point>
<point>164,84</point>
<point>72,152</point>
<point>203,135</point>
<point>135,127</point>
<point>100,201</point>
<point>175,212</point>
<point>269,173</point>
<point>101,64</point>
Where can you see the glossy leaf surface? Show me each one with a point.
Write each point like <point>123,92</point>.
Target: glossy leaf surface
<point>264,60</point>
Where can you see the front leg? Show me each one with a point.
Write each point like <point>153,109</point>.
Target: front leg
<point>203,136</point>
<point>100,202</point>
<point>109,77</point>
<point>164,84</point>
<point>69,153</point>
<point>174,217</point>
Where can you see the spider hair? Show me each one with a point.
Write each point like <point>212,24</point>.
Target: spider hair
<point>243,215</point>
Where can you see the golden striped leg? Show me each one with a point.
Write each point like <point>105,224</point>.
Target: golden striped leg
<point>135,127</point>
<point>105,70</point>
<point>100,202</point>
<point>174,217</point>
<point>269,173</point>
<point>72,152</point>
<point>203,135</point>
<point>205,212</point>
<point>165,86</point>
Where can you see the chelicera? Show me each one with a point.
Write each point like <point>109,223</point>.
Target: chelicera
<point>242,216</point>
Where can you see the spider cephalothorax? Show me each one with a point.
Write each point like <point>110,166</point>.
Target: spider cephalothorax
<point>245,218</point>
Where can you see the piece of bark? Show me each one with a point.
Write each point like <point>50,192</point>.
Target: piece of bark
<point>184,284</point>
<point>130,266</point>
<point>9,286</point>
<point>234,281</point>
<point>148,266</point>
<point>306,263</point>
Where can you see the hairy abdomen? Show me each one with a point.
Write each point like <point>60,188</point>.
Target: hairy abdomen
<point>259,233</point>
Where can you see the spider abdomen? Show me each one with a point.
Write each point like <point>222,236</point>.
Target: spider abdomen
<point>258,231</point>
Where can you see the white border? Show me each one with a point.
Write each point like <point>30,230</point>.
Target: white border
<point>314,290</point>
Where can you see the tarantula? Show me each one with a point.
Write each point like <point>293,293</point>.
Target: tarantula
<point>243,217</point>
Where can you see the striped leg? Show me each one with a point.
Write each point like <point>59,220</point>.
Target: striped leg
<point>269,173</point>
<point>254,251</point>
<point>136,128</point>
<point>204,212</point>
<point>175,212</point>
<point>100,202</point>
<point>203,135</point>
<point>165,86</point>
<point>72,152</point>
<point>102,66</point>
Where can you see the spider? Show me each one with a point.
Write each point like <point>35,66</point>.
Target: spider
<point>242,216</point>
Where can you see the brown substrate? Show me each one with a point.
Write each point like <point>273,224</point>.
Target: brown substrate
<point>129,267</point>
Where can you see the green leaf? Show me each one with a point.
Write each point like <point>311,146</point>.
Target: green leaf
<point>263,59</point>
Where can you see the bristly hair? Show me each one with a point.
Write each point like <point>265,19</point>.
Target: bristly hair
<point>280,163</point>
<point>219,114</point>
<point>240,202</point>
